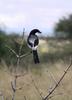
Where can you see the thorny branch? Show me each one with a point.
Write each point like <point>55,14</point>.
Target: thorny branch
<point>12,51</point>
<point>14,85</point>
<point>22,42</point>
<point>55,95</point>
<point>2,96</point>
<point>52,77</point>
<point>18,56</point>
<point>36,87</point>
<point>26,54</point>
<point>14,82</point>
<point>16,76</point>
<point>18,59</point>
<point>48,96</point>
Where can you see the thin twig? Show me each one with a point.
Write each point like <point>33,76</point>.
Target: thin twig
<point>21,43</point>
<point>19,75</point>
<point>26,54</point>
<point>47,97</point>
<point>12,51</point>
<point>16,76</point>
<point>52,77</point>
<point>13,85</point>
<point>24,97</point>
<point>36,87</point>
<point>2,96</point>
<point>55,95</point>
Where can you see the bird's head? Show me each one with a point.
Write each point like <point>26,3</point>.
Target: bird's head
<point>35,31</point>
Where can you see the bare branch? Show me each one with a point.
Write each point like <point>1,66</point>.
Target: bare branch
<point>13,96</point>
<point>13,85</point>
<point>36,87</point>
<point>47,97</point>
<point>58,94</point>
<point>26,54</point>
<point>52,77</point>
<point>2,96</point>
<point>23,32</point>
<point>12,51</point>
<point>21,42</point>
<point>24,97</point>
<point>19,75</point>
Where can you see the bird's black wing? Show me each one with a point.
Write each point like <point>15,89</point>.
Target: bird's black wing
<point>36,41</point>
<point>29,43</point>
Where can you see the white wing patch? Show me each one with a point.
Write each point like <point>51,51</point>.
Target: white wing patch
<point>32,41</point>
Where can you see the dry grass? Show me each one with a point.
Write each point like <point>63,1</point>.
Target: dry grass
<point>44,78</point>
<point>44,81</point>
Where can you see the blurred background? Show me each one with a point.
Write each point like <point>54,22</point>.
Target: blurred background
<point>54,19</point>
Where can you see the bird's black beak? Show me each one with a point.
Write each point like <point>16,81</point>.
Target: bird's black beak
<point>39,32</point>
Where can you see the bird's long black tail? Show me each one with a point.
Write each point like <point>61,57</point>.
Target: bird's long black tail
<point>35,56</point>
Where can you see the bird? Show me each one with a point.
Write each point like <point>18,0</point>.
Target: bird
<point>33,42</point>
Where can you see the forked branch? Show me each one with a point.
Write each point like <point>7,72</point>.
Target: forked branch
<point>48,96</point>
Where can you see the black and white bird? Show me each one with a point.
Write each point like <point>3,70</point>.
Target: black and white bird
<point>33,42</point>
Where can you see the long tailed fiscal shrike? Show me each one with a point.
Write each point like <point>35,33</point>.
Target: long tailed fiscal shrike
<point>33,42</point>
